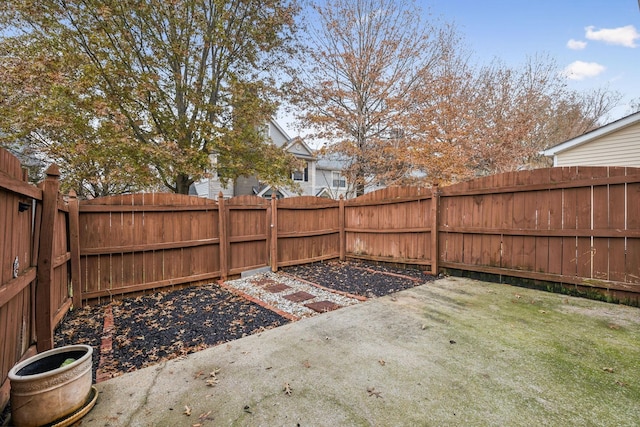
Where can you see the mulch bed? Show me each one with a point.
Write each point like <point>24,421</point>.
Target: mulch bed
<point>150,329</point>
<point>166,325</point>
<point>360,278</point>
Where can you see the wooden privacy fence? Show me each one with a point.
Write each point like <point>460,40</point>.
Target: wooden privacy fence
<point>574,225</point>
<point>35,274</point>
<point>578,226</point>
<point>134,243</point>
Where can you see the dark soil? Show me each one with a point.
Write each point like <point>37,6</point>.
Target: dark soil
<point>166,325</point>
<point>360,278</point>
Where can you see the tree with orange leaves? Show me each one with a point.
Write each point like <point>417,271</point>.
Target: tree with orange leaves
<point>400,101</point>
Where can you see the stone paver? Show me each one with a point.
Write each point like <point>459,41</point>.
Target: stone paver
<point>323,306</point>
<point>299,296</point>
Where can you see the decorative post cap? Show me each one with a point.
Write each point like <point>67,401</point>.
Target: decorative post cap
<point>53,170</point>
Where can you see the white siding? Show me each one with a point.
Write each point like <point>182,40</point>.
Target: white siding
<point>215,188</point>
<point>277,136</point>
<point>621,148</point>
<point>324,179</point>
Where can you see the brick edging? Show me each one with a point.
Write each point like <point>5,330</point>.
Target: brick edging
<point>258,301</point>
<point>106,345</point>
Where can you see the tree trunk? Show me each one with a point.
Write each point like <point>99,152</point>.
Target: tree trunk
<point>183,182</point>
<point>360,186</point>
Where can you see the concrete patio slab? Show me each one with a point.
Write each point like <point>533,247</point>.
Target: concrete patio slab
<point>454,352</point>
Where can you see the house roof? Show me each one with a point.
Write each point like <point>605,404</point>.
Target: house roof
<point>279,128</point>
<point>265,190</point>
<point>331,161</point>
<point>300,148</point>
<point>594,134</point>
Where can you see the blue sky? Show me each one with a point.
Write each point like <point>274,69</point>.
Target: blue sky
<point>596,42</point>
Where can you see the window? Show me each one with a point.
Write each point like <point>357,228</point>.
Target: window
<point>338,180</point>
<point>301,175</point>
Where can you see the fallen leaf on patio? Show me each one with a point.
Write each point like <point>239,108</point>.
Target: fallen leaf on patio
<point>287,389</point>
<point>381,362</point>
<point>187,411</point>
<point>372,392</point>
<point>306,364</point>
<point>205,416</point>
<point>212,382</point>
<point>198,374</point>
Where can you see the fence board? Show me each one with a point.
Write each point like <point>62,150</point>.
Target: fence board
<point>308,230</point>
<point>554,221</point>
<point>146,241</point>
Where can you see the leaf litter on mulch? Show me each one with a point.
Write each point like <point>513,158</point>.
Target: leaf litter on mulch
<point>82,326</point>
<point>156,327</point>
<point>360,278</point>
<point>166,325</point>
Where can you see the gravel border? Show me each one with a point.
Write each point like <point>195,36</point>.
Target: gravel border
<point>250,286</point>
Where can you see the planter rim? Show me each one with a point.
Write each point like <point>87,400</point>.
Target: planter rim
<point>13,373</point>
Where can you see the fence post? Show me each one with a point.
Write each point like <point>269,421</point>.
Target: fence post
<point>44,326</point>
<point>435,229</point>
<point>74,246</point>
<point>222,230</point>
<point>343,249</point>
<point>273,255</point>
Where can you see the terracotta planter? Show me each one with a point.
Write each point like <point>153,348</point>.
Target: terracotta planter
<point>45,389</point>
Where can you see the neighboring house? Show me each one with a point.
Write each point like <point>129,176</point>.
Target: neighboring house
<point>614,144</point>
<point>329,178</point>
<point>320,177</point>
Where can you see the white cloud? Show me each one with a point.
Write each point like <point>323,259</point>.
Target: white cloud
<point>579,70</point>
<point>624,36</point>
<point>576,44</point>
